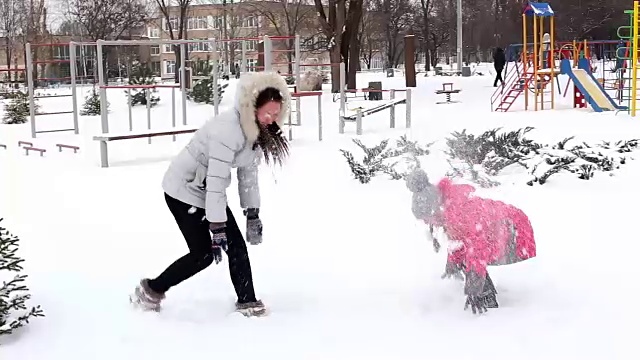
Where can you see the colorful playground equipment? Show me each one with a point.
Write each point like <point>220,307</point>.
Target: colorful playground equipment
<point>535,68</point>
<point>629,53</point>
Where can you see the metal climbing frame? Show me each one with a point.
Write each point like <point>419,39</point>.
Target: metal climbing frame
<point>29,48</point>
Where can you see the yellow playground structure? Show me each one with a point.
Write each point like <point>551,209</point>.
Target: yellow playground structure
<point>535,71</point>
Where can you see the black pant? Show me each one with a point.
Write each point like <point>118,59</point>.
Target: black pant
<point>498,77</point>
<point>195,229</point>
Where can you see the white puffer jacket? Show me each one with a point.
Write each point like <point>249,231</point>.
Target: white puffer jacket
<point>200,174</point>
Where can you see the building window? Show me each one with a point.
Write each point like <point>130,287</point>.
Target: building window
<point>252,65</point>
<point>167,48</point>
<point>61,52</point>
<point>170,67</point>
<point>174,23</point>
<point>217,22</point>
<point>155,50</point>
<point>200,47</point>
<point>154,33</point>
<point>314,43</point>
<point>251,45</point>
<point>197,23</point>
<point>155,68</point>
<point>249,21</point>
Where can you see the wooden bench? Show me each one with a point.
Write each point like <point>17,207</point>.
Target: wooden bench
<point>29,148</point>
<point>3,146</point>
<point>105,138</point>
<point>447,90</point>
<point>60,146</point>
<point>20,143</point>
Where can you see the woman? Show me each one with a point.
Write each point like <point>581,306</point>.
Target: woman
<point>195,189</point>
<point>487,232</point>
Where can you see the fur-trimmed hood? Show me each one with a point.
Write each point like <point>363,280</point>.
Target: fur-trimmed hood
<point>249,86</point>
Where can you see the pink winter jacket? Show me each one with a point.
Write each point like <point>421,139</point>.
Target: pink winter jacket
<point>486,228</point>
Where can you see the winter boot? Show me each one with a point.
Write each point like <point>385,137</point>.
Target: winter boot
<point>249,309</point>
<point>145,298</point>
<point>488,295</point>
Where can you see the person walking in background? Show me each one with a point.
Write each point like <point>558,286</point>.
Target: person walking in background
<point>499,61</point>
<point>195,187</point>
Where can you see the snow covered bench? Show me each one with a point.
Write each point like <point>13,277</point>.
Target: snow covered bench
<point>105,138</point>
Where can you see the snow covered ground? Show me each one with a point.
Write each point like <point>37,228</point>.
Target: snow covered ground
<point>344,267</point>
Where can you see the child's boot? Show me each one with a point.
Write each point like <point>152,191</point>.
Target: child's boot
<point>145,298</point>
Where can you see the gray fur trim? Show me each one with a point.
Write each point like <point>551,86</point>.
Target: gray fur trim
<point>249,86</point>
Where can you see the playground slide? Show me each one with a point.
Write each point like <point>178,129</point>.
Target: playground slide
<point>595,94</point>
<point>593,90</point>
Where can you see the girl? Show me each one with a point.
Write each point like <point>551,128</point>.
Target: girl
<point>488,232</point>
<point>195,189</point>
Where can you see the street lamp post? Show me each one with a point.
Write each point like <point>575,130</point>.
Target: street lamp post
<point>459,33</point>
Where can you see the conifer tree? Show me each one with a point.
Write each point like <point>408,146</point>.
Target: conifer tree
<point>143,75</point>
<point>14,312</point>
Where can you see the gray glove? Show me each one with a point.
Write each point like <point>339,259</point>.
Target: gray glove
<point>254,226</point>
<point>218,240</point>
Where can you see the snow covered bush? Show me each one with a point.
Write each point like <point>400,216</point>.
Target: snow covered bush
<point>483,158</point>
<point>202,90</point>
<point>91,104</point>
<point>143,75</point>
<point>480,158</point>
<point>311,81</point>
<point>380,159</point>
<point>14,312</point>
<point>16,111</point>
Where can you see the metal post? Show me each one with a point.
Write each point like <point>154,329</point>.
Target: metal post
<point>74,92</point>
<point>298,114</point>
<point>342,98</point>
<point>32,110</point>
<point>216,97</point>
<point>359,122</point>
<point>392,121</point>
<point>243,63</point>
<point>320,117</point>
<point>408,108</point>
<point>173,109</point>
<point>183,82</point>
<point>267,53</point>
<point>148,96</point>
<point>459,33</point>
<point>290,124</point>
<point>296,64</point>
<point>104,154</point>
<point>129,108</point>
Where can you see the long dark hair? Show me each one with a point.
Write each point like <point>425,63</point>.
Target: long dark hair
<point>271,140</point>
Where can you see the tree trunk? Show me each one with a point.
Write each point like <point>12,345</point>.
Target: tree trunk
<point>354,63</point>
<point>335,57</point>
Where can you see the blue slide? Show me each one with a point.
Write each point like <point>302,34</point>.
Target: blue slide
<point>592,90</point>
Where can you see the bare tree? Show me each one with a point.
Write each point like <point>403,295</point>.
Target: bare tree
<point>12,21</point>
<point>397,18</point>
<point>371,35</point>
<point>287,18</point>
<point>341,29</point>
<point>109,19</point>
<point>178,10</point>
<point>333,27</point>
